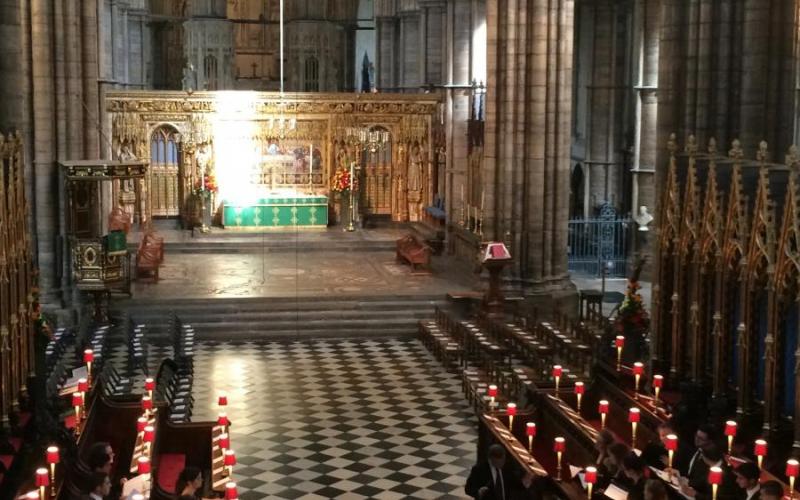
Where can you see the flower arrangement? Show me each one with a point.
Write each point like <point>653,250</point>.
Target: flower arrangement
<point>207,186</point>
<point>341,181</point>
<point>632,317</point>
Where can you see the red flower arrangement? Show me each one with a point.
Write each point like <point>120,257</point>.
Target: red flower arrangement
<point>341,181</point>
<point>632,317</point>
<point>209,185</point>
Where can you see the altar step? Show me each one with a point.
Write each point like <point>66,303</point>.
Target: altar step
<point>283,318</point>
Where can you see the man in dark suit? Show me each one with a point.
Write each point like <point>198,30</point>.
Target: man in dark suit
<point>697,485</point>
<point>99,487</point>
<point>656,455</point>
<point>747,476</point>
<point>491,480</point>
<point>704,439</point>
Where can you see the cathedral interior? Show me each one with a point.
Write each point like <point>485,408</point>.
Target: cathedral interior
<point>437,249</point>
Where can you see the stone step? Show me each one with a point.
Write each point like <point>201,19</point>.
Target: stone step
<point>165,308</point>
<point>285,317</point>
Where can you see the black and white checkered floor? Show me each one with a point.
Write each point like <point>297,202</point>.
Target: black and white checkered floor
<point>344,419</point>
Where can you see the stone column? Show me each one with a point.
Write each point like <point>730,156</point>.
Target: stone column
<point>386,39</point>
<point>10,61</point>
<point>43,103</point>
<point>527,151</point>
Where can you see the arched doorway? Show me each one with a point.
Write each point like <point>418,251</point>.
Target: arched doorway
<point>165,161</point>
<point>377,178</point>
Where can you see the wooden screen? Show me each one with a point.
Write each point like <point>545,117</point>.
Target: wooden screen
<point>16,300</point>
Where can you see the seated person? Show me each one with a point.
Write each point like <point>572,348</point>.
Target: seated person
<point>771,490</point>
<point>611,468</point>
<point>99,487</point>
<point>747,475</point>
<point>491,480</point>
<point>100,458</point>
<point>704,439</point>
<point>190,483</point>
<point>655,454</point>
<point>697,486</point>
<point>654,489</point>
<point>634,468</point>
<point>604,440</point>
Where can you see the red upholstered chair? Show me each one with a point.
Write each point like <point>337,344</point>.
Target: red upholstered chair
<point>170,466</point>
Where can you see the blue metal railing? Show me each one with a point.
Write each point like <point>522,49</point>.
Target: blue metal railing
<point>598,243</point>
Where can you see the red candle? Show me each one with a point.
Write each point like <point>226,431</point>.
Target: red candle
<point>761,448</point>
<point>530,429</point>
<point>492,391</point>
<point>147,403</point>
<point>602,407</point>
<point>77,399</point>
<point>222,400</point>
<point>224,441</point>
<point>143,465</point>
<point>223,420</point>
<point>511,409</point>
<point>730,428</point>
<point>149,384</point>
<point>149,434</point>
<point>42,478</point>
<point>88,356</point>
<point>141,423</point>
<point>590,475</point>
<point>792,468</point>
<point>557,370</point>
<point>230,491</point>
<point>715,476</point>
<point>559,445</point>
<point>658,381</point>
<point>579,388</point>
<point>638,368</point>
<point>671,442</point>
<point>619,342</point>
<point>53,457</point>
<point>633,415</point>
<point>230,458</point>
<point>83,385</point>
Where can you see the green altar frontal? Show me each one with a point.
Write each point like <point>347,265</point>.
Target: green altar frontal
<point>306,211</point>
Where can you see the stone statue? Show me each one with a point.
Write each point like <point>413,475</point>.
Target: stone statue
<point>189,77</point>
<point>414,182</point>
<point>415,169</point>
<point>643,218</point>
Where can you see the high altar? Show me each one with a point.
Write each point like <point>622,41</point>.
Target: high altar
<point>262,160</point>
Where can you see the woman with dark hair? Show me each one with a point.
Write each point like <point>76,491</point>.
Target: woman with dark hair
<point>190,483</point>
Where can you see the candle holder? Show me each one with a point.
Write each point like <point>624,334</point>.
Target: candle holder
<point>633,417</point>
<point>590,476</point>
<point>638,370</point>
<point>672,446</point>
<point>492,394</point>
<point>557,372</point>
<point>579,390</point>
<point>559,445</point>
<point>619,343</point>
<point>760,451</point>
<point>530,430</point>
<point>715,479</point>
<point>511,410</point>
<point>658,383</point>
<point>53,457</point>
<point>730,432</point>
<point>602,408</point>
<point>792,469</point>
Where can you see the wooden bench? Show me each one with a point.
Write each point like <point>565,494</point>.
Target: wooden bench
<point>150,254</point>
<point>417,254</point>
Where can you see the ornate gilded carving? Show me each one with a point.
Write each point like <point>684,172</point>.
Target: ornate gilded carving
<point>317,118</point>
